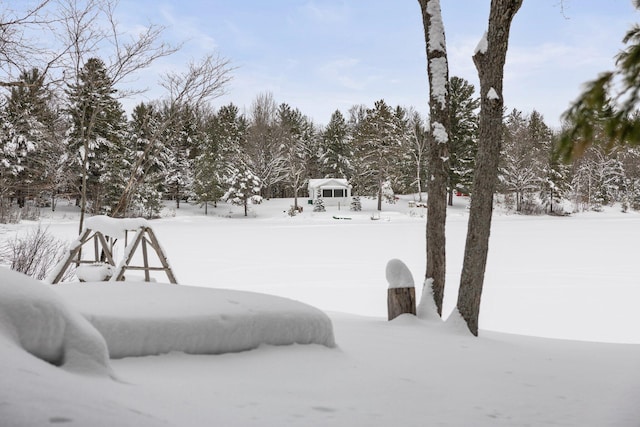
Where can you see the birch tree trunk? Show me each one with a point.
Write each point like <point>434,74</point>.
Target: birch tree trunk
<point>438,71</point>
<point>489,59</point>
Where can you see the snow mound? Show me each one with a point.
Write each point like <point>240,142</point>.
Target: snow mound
<point>34,319</point>
<point>398,274</point>
<point>139,319</point>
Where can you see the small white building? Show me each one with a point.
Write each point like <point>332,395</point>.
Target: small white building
<point>332,191</point>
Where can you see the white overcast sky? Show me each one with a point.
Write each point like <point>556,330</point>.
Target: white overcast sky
<point>324,55</point>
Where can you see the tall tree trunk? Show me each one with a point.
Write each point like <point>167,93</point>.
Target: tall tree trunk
<point>438,71</point>
<point>380,192</point>
<point>489,60</point>
<point>83,189</point>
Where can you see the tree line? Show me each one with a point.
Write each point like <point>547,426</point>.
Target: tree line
<point>59,146</point>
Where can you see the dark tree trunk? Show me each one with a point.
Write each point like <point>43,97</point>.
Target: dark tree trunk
<point>490,64</point>
<point>438,71</point>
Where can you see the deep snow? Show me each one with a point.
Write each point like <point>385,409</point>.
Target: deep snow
<point>572,278</point>
<point>138,319</point>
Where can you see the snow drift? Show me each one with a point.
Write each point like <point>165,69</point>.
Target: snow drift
<point>138,319</point>
<point>34,319</point>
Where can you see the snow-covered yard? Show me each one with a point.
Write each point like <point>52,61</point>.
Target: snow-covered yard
<point>572,279</point>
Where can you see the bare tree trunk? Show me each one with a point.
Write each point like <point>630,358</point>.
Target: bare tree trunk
<point>489,59</point>
<point>380,192</point>
<point>438,71</point>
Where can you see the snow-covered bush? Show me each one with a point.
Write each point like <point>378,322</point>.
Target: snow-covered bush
<point>243,186</point>
<point>318,205</point>
<point>34,253</point>
<point>387,192</point>
<point>356,205</point>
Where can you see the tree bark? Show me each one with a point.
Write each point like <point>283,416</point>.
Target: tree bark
<point>489,60</point>
<point>438,71</point>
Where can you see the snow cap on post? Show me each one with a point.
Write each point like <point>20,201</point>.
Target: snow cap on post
<point>398,275</point>
<point>401,295</point>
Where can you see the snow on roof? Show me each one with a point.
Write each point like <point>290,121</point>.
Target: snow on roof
<point>114,227</point>
<point>325,182</point>
<point>137,319</point>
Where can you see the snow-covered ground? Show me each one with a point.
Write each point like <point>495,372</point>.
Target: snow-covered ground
<point>573,278</point>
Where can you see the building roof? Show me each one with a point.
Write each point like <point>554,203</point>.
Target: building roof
<point>329,182</point>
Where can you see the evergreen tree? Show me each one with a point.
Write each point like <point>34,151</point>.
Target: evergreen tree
<point>463,137</point>
<point>29,146</point>
<point>555,185</point>
<point>335,151</point>
<point>608,105</point>
<point>294,134</point>
<point>243,185</point>
<point>525,155</point>
<point>96,135</point>
<point>220,148</point>
<point>356,204</point>
<point>378,142</point>
<point>181,141</point>
<point>318,205</point>
<point>146,198</point>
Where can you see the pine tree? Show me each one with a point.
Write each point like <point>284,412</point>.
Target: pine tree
<point>318,205</point>
<point>336,152</point>
<point>525,155</point>
<point>181,141</point>
<point>294,134</point>
<point>243,185</point>
<point>555,185</point>
<point>463,138</point>
<point>219,149</point>
<point>146,198</point>
<point>29,146</point>
<point>356,204</point>
<point>608,105</point>
<point>378,141</point>
<point>97,122</point>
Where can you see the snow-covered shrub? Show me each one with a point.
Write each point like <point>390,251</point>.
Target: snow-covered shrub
<point>244,185</point>
<point>356,205</point>
<point>387,192</point>
<point>318,205</point>
<point>34,254</point>
<point>531,206</point>
<point>146,202</point>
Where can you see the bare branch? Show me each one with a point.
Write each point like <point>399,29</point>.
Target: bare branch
<point>200,83</point>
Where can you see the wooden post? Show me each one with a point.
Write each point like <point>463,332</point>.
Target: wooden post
<point>145,260</point>
<point>75,252</point>
<point>400,301</point>
<point>401,296</point>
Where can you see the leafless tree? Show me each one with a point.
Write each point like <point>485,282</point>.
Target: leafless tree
<point>197,86</point>
<point>438,71</point>
<point>19,46</point>
<point>489,58</point>
<point>264,153</point>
